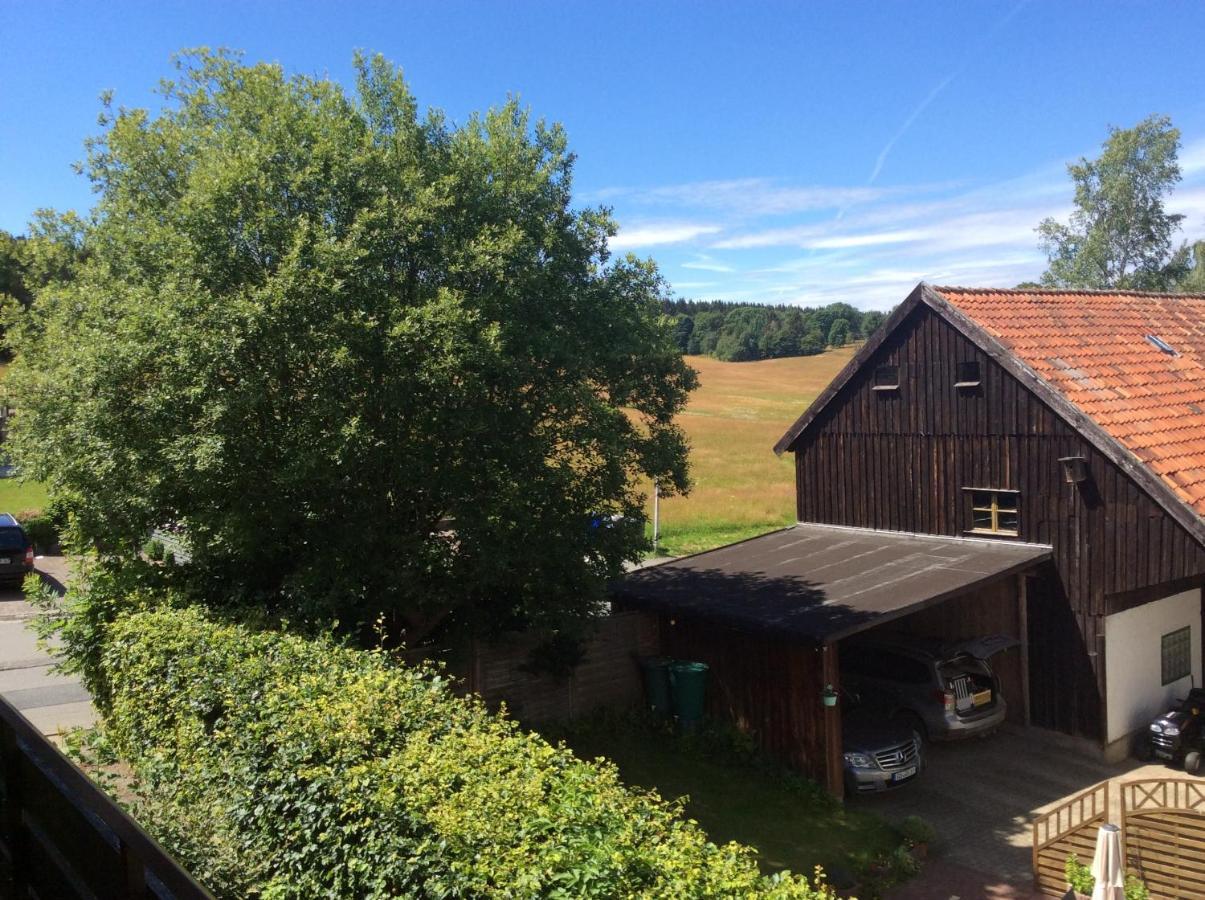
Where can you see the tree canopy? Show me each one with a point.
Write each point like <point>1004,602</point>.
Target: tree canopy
<point>1119,235</point>
<point>368,360</point>
<point>740,332</point>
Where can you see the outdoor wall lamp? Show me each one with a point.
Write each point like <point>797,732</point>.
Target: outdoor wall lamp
<point>1075,469</point>
<point>829,695</point>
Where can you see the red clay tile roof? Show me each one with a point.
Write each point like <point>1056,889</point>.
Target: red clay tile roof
<point>1093,347</point>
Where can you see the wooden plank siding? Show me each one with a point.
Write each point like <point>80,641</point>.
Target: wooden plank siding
<point>770,689</point>
<point>900,460</point>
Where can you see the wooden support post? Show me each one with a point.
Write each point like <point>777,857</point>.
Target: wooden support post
<point>834,761</point>
<point>1023,634</point>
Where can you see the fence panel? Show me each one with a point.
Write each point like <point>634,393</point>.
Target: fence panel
<point>1066,829</point>
<point>1163,827</point>
<point>63,837</point>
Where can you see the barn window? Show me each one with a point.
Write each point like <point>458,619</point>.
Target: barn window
<point>994,511</point>
<point>968,375</point>
<point>1177,655</point>
<point>887,378</point>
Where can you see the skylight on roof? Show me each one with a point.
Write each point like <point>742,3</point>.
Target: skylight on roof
<point>1162,345</point>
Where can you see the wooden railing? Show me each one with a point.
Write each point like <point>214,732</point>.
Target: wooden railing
<point>63,837</point>
<point>1066,829</point>
<point>1163,830</point>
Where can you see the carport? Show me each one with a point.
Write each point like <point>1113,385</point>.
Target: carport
<point>768,614</point>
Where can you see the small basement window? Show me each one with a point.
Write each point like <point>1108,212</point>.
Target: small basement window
<point>994,511</point>
<point>887,378</point>
<point>1177,654</point>
<point>968,375</point>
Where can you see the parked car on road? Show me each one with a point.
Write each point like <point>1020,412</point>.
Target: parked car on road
<point>879,753</point>
<point>16,551</point>
<point>942,689</point>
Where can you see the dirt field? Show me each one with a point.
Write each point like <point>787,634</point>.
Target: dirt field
<point>734,418</point>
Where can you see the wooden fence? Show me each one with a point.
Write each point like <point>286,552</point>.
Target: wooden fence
<point>1163,829</point>
<point>1069,828</point>
<point>62,837</point>
<point>1162,823</point>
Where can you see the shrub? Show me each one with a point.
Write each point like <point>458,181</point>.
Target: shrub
<point>153,550</point>
<point>282,767</point>
<point>41,531</point>
<point>916,830</point>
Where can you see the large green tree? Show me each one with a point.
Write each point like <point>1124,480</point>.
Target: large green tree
<point>1119,235</point>
<point>370,361</point>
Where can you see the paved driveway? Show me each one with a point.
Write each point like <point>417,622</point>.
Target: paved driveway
<point>54,703</point>
<point>982,796</point>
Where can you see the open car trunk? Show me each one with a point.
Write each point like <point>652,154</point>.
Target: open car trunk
<point>971,682</point>
<point>967,674</point>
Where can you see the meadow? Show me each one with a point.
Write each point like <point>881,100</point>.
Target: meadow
<point>733,421</point>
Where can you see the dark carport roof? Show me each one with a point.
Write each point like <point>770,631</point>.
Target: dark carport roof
<point>824,582</point>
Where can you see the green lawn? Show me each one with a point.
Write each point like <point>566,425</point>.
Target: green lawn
<point>788,819</point>
<point>17,495</point>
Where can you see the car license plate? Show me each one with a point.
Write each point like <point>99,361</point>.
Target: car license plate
<point>5,560</point>
<point>982,698</point>
<point>904,773</point>
<point>1162,754</point>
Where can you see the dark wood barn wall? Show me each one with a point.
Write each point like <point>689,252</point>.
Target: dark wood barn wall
<point>769,689</point>
<point>899,460</point>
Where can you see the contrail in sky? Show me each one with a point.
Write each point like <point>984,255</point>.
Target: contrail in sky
<point>932,95</point>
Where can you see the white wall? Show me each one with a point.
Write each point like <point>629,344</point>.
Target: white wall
<point>1134,664</point>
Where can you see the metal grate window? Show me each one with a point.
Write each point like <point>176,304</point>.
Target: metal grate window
<point>1177,655</point>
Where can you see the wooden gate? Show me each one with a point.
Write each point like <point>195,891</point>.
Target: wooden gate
<point>1163,827</point>
<point>1069,828</point>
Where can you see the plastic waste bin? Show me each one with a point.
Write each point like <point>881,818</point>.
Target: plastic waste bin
<point>656,684</point>
<point>688,688</point>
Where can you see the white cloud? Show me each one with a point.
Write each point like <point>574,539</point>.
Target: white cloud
<point>653,235</point>
<point>785,243</point>
<point>705,263</point>
<point>870,239</point>
<point>1192,158</point>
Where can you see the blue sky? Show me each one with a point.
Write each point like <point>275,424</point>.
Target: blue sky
<point>783,152</point>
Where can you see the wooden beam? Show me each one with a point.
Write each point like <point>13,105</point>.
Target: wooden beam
<point>1023,634</point>
<point>835,761</point>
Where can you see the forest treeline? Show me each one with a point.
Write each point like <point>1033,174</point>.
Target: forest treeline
<point>740,332</point>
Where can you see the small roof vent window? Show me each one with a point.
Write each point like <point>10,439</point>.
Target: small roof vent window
<point>1162,345</point>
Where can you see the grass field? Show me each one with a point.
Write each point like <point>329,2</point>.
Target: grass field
<point>17,496</point>
<point>733,421</point>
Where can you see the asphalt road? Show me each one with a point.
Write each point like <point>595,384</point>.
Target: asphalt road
<point>54,703</point>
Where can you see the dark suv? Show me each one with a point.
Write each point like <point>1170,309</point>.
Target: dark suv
<point>942,689</point>
<point>16,551</point>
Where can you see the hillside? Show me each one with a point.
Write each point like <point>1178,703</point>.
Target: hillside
<point>733,420</point>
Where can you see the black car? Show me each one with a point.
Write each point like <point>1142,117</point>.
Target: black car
<point>16,551</point>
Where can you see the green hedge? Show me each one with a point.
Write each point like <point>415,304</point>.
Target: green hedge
<point>276,766</point>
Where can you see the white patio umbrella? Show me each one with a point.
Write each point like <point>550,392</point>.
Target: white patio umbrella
<point>1108,868</point>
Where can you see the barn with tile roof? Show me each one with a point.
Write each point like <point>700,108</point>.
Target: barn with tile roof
<point>1065,426</point>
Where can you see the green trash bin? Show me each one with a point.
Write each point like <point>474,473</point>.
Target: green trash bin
<point>656,685</point>
<point>688,687</point>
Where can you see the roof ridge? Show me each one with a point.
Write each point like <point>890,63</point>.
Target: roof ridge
<point>1098,292</point>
